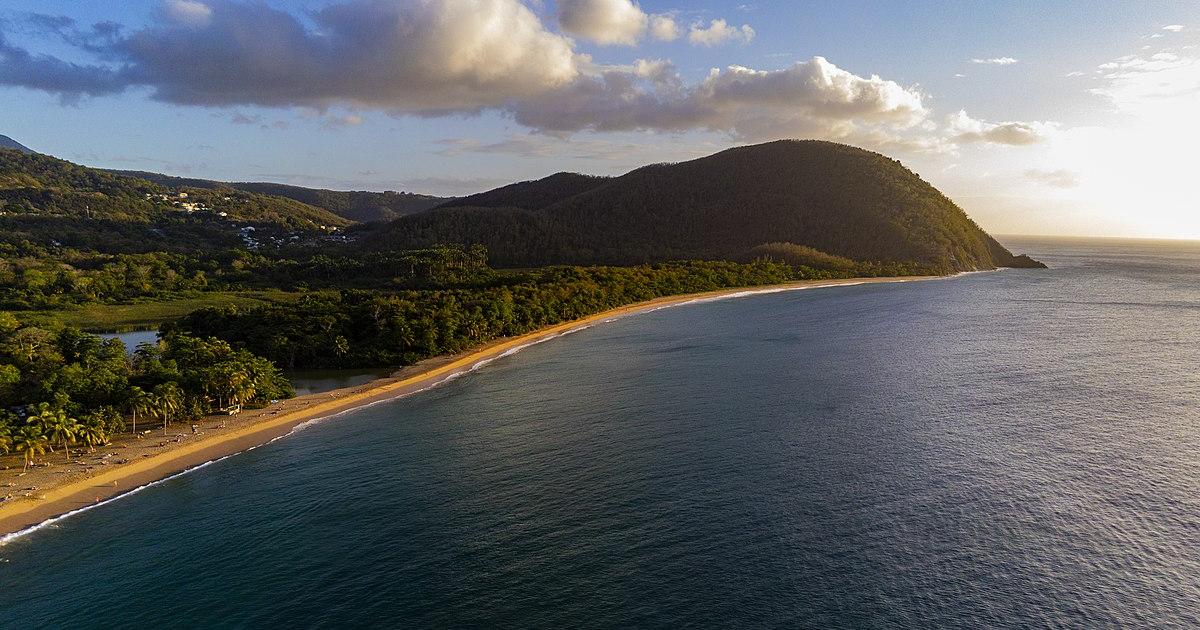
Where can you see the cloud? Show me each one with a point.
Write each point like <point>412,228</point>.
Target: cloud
<point>810,98</point>
<point>964,129</point>
<point>664,28</point>
<point>603,21</point>
<point>1174,28</point>
<point>187,12</point>
<point>718,32</point>
<point>996,61</point>
<point>1137,81</point>
<point>430,58</point>
<point>614,22</point>
<point>346,120</point>
<point>1061,178</point>
<point>50,74</point>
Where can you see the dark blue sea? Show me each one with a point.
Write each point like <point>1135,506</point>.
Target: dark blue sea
<point>1010,450</point>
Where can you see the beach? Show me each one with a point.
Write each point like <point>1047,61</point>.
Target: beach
<point>45,493</point>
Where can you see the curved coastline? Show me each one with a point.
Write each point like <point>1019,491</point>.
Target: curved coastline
<point>21,517</point>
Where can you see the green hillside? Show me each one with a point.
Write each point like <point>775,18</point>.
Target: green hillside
<point>840,200</point>
<point>46,200</point>
<point>355,205</point>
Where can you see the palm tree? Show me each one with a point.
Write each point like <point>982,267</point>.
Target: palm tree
<point>30,443</point>
<point>139,402</point>
<point>6,437</point>
<point>168,398</point>
<point>91,432</point>
<point>57,426</point>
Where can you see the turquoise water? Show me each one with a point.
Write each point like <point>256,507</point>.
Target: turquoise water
<point>1013,449</point>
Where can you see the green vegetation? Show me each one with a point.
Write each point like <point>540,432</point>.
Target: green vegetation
<point>355,205</point>
<point>64,387</point>
<point>838,199</point>
<point>38,278</point>
<point>52,202</point>
<point>368,329</point>
<point>243,282</point>
<point>150,313</point>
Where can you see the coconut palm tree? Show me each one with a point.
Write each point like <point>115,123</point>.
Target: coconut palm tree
<point>91,432</point>
<point>168,398</point>
<point>140,401</point>
<point>57,426</point>
<point>30,443</point>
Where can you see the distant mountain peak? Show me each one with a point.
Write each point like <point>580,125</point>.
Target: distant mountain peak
<point>9,143</point>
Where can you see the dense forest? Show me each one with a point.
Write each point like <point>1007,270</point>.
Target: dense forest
<point>361,328</point>
<point>837,199</point>
<point>34,277</point>
<point>64,387</point>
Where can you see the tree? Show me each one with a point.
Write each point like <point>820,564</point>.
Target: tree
<point>57,426</point>
<point>30,442</point>
<point>30,344</point>
<point>6,437</point>
<point>139,402</point>
<point>168,399</point>
<point>92,433</point>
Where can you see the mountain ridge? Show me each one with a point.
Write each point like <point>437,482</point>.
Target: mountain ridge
<point>840,200</point>
<point>360,206</point>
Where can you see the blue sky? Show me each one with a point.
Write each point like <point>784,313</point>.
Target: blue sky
<point>1064,117</point>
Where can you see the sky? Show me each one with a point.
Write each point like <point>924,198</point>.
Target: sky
<point>1060,118</point>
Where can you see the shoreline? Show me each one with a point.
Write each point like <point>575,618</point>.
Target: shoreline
<point>97,485</point>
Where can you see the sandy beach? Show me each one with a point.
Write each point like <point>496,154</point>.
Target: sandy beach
<point>57,487</point>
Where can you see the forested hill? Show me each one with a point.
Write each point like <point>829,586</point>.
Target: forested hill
<point>46,200</point>
<point>359,206</point>
<point>838,199</point>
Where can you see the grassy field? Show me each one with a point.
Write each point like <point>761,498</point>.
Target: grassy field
<point>144,315</point>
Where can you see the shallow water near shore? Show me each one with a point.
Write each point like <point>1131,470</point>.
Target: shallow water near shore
<point>1006,449</point>
<point>320,381</point>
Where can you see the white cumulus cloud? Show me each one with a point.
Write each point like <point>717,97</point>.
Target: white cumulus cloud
<point>664,28</point>
<point>610,22</point>
<point>603,21</point>
<point>964,129</point>
<point>995,61</point>
<point>718,32</point>
<point>449,55</point>
<point>432,58</point>
<point>812,98</point>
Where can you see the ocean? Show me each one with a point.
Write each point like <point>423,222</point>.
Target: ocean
<point>1008,449</point>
